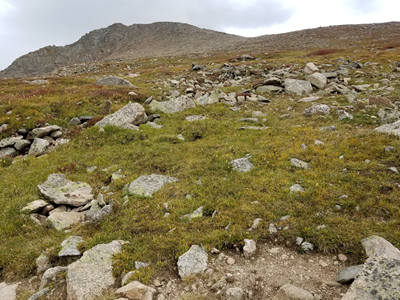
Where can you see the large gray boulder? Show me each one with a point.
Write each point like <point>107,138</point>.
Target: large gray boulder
<point>174,105</point>
<point>114,80</point>
<point>91,275</point>
<point>130,114</point>
<point>193,261</point>
<point>59,190</point>
<point>318,80</point>
<point>380,276</point>
<point>299,87</point>
<point>147,185</point>
<point>393,128</point>
<point>39,147</point>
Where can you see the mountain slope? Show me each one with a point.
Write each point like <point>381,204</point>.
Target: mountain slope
<point>171,39</point>
<point>118,40</point>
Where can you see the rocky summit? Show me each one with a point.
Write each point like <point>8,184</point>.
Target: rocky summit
<point>168,162</point>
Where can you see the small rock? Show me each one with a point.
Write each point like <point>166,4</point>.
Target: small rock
<point>249,248</point>
<point>235,293</point>
<point>242,165</point>
<point>193,261</point>
<point>70,246</point>
<point>349,274</point>
<point>299,163</point>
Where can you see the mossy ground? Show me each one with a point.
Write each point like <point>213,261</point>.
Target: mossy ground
<point>206,154</point>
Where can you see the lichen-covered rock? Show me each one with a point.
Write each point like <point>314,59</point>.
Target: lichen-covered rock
<point>242,165</point>
<point>70,246</point>
<point>193,261</point>
<point>147,185</point>
<point>380,275</point>
<point>59,190</point>
<point>91,275</point>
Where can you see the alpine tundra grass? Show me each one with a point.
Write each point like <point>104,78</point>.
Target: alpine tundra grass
<point>351,161</point>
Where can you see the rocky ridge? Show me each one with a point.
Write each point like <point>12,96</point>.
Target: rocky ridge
<point>163,39</point>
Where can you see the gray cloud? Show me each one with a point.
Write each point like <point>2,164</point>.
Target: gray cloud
<point>362,6</point>
<point>34,24</point>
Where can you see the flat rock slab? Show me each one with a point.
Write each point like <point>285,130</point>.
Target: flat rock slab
<point>130,114</point>
<point>34,206</point>
<point>8,292</point>
<point>242,165</point>
<point>174,105</point>
<point>147,185</point>
<point>43,131</point>
<point>70,246</point>
<point>291,292</point>
<point>59,190</point>
<point>114,80</point>
<point>91,275</point>
<point>64,220</point>
<point>193,261</point>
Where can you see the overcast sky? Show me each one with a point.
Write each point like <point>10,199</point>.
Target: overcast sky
<point>27,25</point>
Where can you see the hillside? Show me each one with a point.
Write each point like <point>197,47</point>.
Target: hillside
<point>275,169</point>
<point>173,39</point>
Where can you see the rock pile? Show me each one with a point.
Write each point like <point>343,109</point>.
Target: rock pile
<point>36,142</point>
<point>64,204</point>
